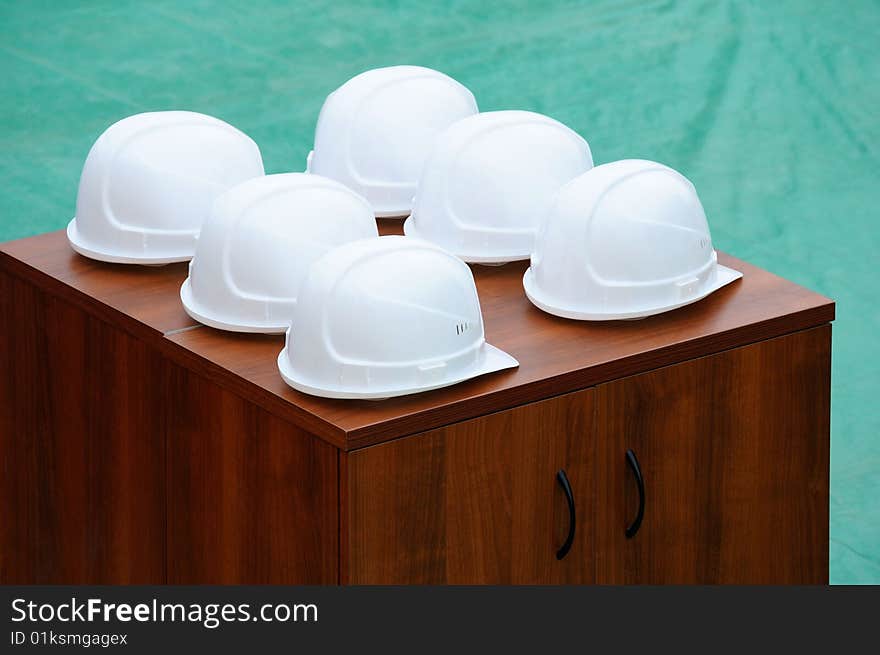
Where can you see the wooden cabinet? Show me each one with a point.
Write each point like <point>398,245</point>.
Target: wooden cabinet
<point>137,446</point>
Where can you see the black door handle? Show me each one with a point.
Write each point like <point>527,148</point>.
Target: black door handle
<point>562,478</point>
<point>633,462</point>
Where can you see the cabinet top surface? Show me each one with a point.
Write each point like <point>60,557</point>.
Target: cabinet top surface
<point>556,355</point>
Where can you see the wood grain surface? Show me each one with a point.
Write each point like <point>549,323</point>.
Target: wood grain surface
<point>252,499</point>
<point>82,477</point>
<point>474,503</point>
<point>734,450</point>
<point>95,425</point>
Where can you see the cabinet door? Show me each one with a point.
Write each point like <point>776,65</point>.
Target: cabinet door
<point>734,453</point>
<point>478,502</point>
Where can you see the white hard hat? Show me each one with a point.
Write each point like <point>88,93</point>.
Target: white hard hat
<point>375,131</point>
<point>149,181</point>
<point>488,181</point>
<point>387,317</point>
<point>256,247</point>
<point>624,240</point>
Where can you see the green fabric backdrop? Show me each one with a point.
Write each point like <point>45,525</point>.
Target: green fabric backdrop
<point>771,108</point>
